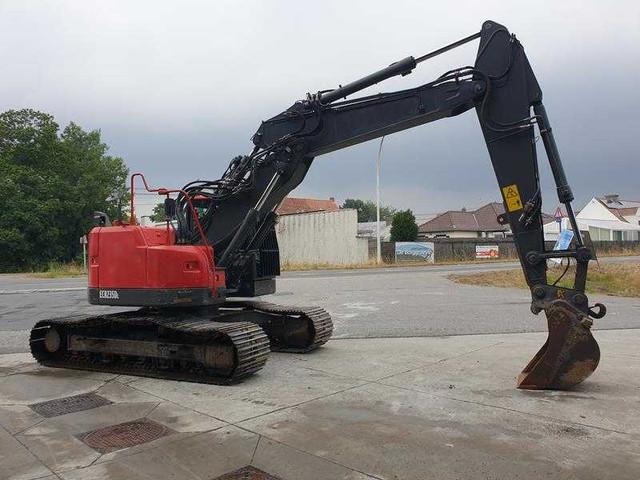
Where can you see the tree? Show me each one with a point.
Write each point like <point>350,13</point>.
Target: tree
<point>51,183</point>
<point>403,227</point>
<point>367,210</point>
<point>158,215</point>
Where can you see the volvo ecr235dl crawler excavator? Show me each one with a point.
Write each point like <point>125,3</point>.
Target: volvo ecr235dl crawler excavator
<point>219,241</point>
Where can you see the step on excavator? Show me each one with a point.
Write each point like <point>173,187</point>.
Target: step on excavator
<point>191,277</point>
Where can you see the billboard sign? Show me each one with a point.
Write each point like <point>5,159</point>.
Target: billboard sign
<point>415,252</point>
<point>487,251</point>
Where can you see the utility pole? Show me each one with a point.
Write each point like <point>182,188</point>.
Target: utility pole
<point>378,164</point>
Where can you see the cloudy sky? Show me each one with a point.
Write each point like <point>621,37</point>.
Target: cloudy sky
<point>178,87</point>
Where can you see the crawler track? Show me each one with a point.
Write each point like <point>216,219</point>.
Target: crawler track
<point>218,345</point>
<point>291,329</point>
<point>174,346</point>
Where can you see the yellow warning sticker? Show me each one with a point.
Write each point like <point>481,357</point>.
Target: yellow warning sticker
<point>512,197</point>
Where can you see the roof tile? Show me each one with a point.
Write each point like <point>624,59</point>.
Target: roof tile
<point>291,206</point>
<point>484,219</point>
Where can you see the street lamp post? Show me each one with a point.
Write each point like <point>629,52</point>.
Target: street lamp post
<point>378,164</point>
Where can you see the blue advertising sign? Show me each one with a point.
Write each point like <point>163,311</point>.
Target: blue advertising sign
<point>415,252</point>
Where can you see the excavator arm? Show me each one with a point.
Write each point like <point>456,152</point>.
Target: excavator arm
<point>502,88</point>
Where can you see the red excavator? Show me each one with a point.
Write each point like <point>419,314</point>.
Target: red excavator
<point>219,240</point>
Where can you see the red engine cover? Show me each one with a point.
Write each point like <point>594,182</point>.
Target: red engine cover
<point>132,257</point>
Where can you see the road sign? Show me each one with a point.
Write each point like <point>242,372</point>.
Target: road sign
<point>83,240</point>
<point>558,215</point>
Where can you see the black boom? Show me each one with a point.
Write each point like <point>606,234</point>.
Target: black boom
<point>501,86</point>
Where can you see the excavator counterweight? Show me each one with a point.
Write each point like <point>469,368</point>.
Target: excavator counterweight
<point>219,241</point>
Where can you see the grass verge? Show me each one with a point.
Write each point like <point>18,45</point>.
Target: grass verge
<point>295,267</point>
<point>60,270</point>
<point>618,279</point>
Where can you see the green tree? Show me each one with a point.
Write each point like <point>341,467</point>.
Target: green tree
<point>367,210</point>
<point>157,215</point>
<point>403,227</point>
<point>51,182</point>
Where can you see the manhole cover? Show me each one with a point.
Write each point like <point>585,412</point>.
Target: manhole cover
<point>247,473</point>
<point>124,435</point>
<point>62,406</point>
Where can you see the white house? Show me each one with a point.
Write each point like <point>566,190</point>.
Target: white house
<point>610,218</point>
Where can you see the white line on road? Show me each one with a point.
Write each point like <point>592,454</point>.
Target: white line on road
<point>42,290</point>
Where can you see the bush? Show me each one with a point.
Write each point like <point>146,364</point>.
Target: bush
<point>403,227</point>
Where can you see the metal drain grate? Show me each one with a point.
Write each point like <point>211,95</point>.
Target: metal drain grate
<point>124,435</point>
<point>248,473</point>
<point>62,406</point>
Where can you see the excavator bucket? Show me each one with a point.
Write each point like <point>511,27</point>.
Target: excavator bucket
<point>569,355</point>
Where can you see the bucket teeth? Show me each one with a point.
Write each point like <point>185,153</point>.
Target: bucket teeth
<point>569,355</point>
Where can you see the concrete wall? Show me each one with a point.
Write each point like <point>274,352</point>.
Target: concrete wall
<point>321,238</point>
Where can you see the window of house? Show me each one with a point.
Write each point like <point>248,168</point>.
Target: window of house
<point>600,234</point>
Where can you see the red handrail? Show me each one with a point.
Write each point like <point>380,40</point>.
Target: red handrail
<point>166,191</point>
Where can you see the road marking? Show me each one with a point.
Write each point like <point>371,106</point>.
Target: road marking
<point>42,290</point>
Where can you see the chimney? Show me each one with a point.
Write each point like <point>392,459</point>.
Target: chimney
<point>612,198</point>
<point>333,199</point>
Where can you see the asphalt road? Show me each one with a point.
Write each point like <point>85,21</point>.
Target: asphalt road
<point>388,302</point>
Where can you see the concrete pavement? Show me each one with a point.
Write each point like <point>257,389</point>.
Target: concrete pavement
<point>402,408</point>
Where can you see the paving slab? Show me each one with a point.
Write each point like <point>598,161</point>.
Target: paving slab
<point>16,418</point>
<point>16,462</point>
<point>204,456</point>
<point>59,451</point>
<point>180,419</point>
<point>42,384</point>
<point>488,377</point>
<point>389,432</point>
<point>118,392</point>
<point>168,440</point>
<point>375,358</point>
<point>279,385</point>
<point>291,464</point>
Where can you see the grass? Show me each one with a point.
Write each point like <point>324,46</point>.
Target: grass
<point>618,279</point>
<point>60,270</point>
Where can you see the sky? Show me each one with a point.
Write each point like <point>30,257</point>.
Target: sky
<point>177,88</point>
